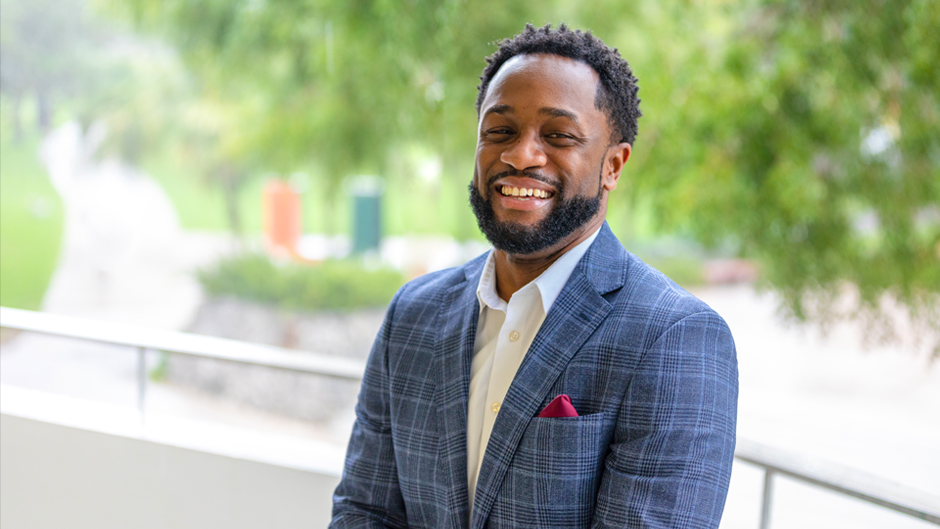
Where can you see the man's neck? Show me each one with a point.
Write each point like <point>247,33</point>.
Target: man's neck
<point>514,271</point>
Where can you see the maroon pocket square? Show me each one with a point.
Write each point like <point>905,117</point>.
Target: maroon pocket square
<point>560,406</point>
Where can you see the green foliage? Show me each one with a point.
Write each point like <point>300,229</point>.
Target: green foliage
<point>335,86</point>
<point>798,133</point>
<point>813,147</point>
<point>158,372</point>
<point>31,221</point>
<point>331,285</point>
<point>50,52</point>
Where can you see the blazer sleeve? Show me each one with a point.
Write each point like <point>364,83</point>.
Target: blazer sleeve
<point>670,460</point>
<point>368,494</point>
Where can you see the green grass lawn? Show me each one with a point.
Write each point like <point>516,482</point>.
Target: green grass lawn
<point>199,204</point>
<point>31,222</point>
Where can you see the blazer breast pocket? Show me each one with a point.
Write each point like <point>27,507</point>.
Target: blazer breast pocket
<point>555,472</point>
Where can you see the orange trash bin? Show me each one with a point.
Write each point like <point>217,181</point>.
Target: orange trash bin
<point>281,218</point>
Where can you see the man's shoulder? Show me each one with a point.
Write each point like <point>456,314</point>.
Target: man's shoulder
<point>662,292</point>
<point>648,306</point>
<point>625,280</point>
<point>640,293</point>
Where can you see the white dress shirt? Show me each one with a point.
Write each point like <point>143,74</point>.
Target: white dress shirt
<point>504,333</point>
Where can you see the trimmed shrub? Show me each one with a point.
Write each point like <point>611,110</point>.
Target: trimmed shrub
<point>331,285</point>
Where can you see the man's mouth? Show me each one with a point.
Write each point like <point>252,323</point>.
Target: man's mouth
<point>523,192</point>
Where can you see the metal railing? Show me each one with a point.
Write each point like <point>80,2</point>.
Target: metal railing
<point>837,478</point>
<point>143,339</point>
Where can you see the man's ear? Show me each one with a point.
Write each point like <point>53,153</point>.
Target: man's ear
<point>617,156</point>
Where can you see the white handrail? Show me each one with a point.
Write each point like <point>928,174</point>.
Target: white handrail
<point>838,478</point>
<point>181,343</point>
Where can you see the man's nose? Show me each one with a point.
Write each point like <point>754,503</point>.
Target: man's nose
<point>524,153</point>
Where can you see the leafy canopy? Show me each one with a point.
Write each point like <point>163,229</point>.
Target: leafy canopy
<point>802,134</point>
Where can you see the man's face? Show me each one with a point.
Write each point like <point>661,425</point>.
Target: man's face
<point>542,168</point>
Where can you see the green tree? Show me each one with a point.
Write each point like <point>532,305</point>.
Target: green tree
<point>797,133</point>
<point>808,140</point>
<point>45,54</point>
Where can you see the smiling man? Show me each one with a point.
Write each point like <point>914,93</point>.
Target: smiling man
<point>557,380</point>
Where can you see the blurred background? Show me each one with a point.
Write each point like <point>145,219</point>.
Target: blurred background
<point>271,172</point>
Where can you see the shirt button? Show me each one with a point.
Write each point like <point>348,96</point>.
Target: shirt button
<point>513,336</point>
<point>495,407</point>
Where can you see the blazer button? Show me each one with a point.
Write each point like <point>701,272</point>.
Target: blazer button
<point>495,407</point>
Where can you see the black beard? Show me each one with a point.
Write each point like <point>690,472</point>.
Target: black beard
<point>516,239</point>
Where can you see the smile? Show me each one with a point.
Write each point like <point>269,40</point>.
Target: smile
<point>522,192</point>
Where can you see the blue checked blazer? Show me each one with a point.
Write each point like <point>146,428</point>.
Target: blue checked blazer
<point>650,369</point>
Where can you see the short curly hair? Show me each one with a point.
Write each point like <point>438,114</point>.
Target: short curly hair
<point>617,91</point>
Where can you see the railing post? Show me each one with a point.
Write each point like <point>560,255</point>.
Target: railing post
<point>767,499</point>
<point>141,379</point>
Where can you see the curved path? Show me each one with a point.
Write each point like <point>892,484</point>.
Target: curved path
<point>124,257</point>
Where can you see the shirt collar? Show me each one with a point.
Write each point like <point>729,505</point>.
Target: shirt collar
<point>486,289</point>
<point>549,283</point>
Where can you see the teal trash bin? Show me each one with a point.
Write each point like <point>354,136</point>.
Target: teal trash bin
<point>367,214</point>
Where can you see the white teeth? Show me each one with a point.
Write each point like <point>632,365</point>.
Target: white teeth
<point>523,192</point>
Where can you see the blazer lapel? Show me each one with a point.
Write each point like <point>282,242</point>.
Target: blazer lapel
<point>457,322</point>
<point>574,316</point>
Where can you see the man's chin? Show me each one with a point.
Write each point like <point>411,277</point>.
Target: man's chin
<point>521,221</point>
<point>516,238</point>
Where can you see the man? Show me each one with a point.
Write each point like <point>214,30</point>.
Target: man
<point>556,381</point>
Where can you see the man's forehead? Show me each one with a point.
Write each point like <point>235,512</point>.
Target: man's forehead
<point>547,68</point>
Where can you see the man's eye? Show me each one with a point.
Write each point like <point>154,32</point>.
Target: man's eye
<point>499,134</point>
<point>560,139</point>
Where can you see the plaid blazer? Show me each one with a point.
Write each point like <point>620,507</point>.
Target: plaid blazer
<point>650,369</point>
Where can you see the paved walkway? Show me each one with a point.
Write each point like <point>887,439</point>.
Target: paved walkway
<point>124,257</point>
<point>126,260</point>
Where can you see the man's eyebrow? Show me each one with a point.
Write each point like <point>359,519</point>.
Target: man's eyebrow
<point>498,109</point>
<point>560,113</point>
<point>549,111</point>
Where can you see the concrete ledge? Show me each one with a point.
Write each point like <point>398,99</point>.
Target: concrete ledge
<point>69,463</point>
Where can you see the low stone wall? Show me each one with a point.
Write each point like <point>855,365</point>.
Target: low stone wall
<point>298,395</point>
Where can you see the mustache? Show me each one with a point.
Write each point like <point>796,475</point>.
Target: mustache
<point>527,174</point>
